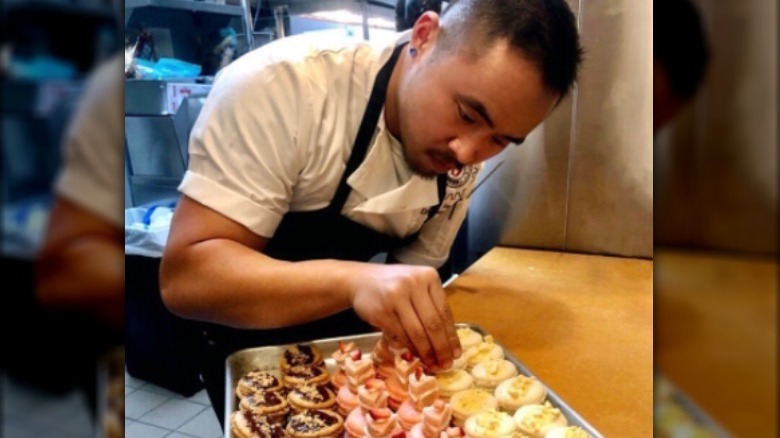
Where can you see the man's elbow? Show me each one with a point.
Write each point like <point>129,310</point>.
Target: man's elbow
<point>175,292</point>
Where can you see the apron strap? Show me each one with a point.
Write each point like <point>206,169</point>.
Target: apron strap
<point>367,129</point>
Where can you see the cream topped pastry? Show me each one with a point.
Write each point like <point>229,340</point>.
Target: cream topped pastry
<point>535,420</point>
<point>567,432</point>
<point>490,424</point>
<point>469,402</point>
<point>489,373</point>
<point>423,389</point>
<point>436,417</point>
<point>468,338</point>
<point>397,385</point>
<point>453,381</point>
<point>359,369</point>
<point>483,351</point>
<point>372,395</point>
<point>520,391</point>
<point>339,379</point>
<point>257,380</point>
<point>381,423</point>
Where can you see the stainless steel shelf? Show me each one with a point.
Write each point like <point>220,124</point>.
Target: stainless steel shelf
<point>187,5</point>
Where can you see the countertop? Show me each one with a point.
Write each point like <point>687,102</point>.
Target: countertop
<point>583,324</point>
<point>716,326</point>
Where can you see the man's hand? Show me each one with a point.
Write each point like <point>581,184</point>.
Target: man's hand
<point>408,304</point>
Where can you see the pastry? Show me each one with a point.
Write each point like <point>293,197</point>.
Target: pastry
<point>301,355</point>
<point>436,417</point>
<point>520,391</point>
<point>339,379</point>
<point>469,402</point>
<point>566,432</point>
<point>490,424</point>
<point>384,359</point>
<point>381,423</point>
<point>346,400</point>
<point>397,385</point>
<point>453,432</point>
<point>408,415</point>
<point>468,338</point>
<point>355,424</point>
<point>535,420</point>
<point>256,380</point>
<point>489,373</point>
<point>483,351</point>
<point>453,381</point>
<point>314,424</point>
<point>244,424</point>
<point>423,389</point>
<point>311,397</point>
<point>359,369</point>
<point>299,375</point>
<point>372,395</point>
<point>270,404</point>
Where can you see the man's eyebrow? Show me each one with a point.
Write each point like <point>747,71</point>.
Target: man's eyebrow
<point>482,111</point>
<point>479,108</point>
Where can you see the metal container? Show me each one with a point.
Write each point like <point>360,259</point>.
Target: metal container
<point>268,359</point>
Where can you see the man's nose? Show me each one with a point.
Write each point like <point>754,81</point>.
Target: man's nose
<point>466,149</point>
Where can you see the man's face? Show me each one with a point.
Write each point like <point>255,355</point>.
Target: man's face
<point>456,110</point>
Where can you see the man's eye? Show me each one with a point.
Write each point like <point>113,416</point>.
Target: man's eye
<point>464,116</point>
<point>500,142</point>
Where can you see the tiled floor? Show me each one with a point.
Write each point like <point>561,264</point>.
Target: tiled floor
<point>28,413</point>
<point>154,412</point>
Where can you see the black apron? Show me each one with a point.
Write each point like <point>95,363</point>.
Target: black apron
<point>320,234</point>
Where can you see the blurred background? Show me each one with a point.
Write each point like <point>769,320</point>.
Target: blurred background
<point>715,222</point>
<point>61,370</point>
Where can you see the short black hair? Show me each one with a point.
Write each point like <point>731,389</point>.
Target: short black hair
<point>545,32</point>
<point>679,45</point>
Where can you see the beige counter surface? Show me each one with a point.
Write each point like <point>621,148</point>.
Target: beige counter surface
<point>716,326</point>
<point>582,323</point>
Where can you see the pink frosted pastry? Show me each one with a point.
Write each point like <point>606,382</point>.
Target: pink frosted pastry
<point>408,415</point>
<point>359,369</point>
<point>340,378</point>
<point>423,389</point>
<point>372,395</point>
<point>347,400</point>
<point>381,423</point>
<point>355,424</point>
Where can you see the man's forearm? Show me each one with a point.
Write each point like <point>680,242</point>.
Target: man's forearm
<point>86,275</point>
<point>225,282</point>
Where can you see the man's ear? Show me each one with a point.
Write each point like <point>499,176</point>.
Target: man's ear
<point>425,32</point>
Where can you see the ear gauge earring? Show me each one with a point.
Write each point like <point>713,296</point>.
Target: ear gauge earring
<point>412,51</point>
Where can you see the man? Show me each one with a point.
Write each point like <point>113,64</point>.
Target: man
<point>680,58</point>
<point>311,156</point>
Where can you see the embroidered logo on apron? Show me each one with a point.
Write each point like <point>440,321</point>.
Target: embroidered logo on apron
<point>457,178</point>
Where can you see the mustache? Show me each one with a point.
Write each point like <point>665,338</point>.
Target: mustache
<point>447,157</point>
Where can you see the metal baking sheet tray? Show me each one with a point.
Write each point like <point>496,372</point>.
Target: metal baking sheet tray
<point>268,359</point>
<point>667,392</point>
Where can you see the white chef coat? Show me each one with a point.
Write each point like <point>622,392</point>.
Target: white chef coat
<point>92,172</point>
<point>277,129</point>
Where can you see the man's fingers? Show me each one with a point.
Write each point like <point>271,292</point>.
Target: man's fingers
<point>415,333</point>
<point>434,327</point>
<point>439,298</point>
